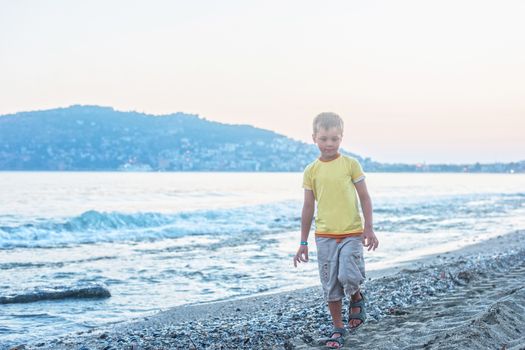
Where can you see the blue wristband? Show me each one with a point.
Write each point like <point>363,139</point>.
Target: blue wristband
<point>304,243</point>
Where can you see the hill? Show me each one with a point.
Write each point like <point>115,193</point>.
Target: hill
<point>94,138</point>
<point>101,138</point>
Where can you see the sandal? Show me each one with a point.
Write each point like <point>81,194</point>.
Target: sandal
<point>361,315</point>
<point>339,340</point>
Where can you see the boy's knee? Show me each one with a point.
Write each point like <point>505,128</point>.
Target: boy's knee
<point>351,276</point>
<point>351,284</point>
<point>350,279</point>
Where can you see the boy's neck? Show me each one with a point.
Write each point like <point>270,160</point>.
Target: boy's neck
<point>328,159</point>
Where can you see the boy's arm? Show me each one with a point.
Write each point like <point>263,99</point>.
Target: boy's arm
<point>306,223</point>
<point>369,238</point>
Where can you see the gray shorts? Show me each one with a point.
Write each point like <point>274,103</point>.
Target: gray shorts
<point>341,266</point>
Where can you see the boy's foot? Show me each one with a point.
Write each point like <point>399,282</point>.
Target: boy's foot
<point>357,311</point>
<point>335,344</point>
<point>336,340</point>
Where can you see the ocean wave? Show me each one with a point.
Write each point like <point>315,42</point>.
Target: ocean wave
<point>444,212</point>
<point>236,224</point>
<point>97,227</point>
<point>57,264</point>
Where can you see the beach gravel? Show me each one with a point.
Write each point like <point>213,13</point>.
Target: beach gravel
<point>473,298</point>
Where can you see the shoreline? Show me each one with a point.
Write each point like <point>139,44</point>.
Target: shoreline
<point>433,302</point>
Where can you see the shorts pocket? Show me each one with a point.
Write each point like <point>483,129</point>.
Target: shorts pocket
<point>324,272</point>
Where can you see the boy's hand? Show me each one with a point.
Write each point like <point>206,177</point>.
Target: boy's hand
<point>302,255</point>
<point>370,240</point>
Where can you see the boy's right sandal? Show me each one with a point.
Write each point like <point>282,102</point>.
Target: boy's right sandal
<point>361,315</point>
<point>339,340</point>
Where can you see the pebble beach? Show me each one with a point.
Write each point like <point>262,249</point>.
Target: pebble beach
<point>472,298</point>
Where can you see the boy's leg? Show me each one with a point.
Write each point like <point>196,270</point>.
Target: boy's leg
<point>352,272</point>
<point>327,258</point>
<point>355,310</point>
<point>336,311</point>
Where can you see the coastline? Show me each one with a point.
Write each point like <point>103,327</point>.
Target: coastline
<point>469,298</point>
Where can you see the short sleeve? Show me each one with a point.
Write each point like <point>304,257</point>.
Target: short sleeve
<point>307,178</point>
<point>356,172</point>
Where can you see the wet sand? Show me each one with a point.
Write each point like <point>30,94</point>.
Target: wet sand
<point>473,298</point>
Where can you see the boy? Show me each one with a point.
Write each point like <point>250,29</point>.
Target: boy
<point>333,181</point>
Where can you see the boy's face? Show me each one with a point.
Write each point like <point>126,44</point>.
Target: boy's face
<point>328,141</point>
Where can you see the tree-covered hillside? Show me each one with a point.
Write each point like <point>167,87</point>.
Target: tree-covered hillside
<point>100,138</point>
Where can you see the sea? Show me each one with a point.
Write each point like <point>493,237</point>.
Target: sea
<point>159,240</point>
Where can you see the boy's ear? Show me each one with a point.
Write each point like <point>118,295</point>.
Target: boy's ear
<point>313,137</point>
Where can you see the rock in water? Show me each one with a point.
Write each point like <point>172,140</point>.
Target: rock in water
<point>57,292</point>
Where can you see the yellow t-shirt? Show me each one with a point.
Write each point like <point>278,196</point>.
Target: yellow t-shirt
<point>337,202</point>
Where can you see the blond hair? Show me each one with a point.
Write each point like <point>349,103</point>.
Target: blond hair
<point>328,120</point>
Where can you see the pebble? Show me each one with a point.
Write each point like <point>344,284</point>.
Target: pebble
<point>302,318</point>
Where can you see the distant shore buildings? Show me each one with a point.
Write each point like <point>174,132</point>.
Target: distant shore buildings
<point>92,138</point>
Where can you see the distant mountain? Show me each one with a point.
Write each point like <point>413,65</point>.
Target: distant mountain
<point>86,138</point>
<point>100,138</point>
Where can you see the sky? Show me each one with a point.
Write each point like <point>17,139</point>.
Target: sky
<point>414,80</point>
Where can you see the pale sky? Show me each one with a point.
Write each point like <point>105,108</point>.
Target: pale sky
<point>414,80</point>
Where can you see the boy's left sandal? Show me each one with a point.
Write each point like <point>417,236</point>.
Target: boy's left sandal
<point>339,340</point>
<point>361,315</point>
